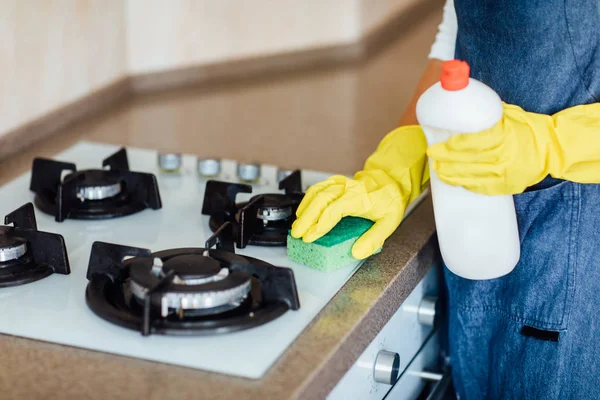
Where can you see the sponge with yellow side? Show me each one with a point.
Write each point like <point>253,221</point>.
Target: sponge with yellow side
<point>333,250</point>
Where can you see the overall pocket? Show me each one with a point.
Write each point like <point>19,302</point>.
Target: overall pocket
<point>539,290</point>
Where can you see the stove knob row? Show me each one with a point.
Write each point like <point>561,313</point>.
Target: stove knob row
<point>386,367</point>
<point>211,167</point>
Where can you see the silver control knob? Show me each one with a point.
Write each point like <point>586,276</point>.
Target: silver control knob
<point>386,367</point>
<point>427,310</point>
<point>248,172</point>
<point>209,167</point>
<point>169,162</point>
<point>282,174</point>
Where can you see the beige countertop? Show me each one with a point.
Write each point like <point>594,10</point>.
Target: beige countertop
<point>325,119</point>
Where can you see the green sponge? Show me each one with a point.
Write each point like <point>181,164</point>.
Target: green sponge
<point>332,251</point>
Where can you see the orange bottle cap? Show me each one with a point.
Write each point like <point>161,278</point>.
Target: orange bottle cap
<point>455,75</point>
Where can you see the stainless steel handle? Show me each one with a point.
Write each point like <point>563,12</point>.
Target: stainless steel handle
<point>386,367</point>
<point>440,390</point>
<point>428,376</point>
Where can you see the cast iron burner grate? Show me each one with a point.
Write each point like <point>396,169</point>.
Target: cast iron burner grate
<point>187,291</point>
<point>262,221</point>
<point>26,254</point>
<point>94,193</point>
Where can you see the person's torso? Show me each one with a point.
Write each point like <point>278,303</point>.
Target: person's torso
<point>542,55</point>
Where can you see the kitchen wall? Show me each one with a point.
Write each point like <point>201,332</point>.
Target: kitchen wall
<point>164,35</point>
<point>285,117</point>
<point>54,52</point>
<point>374,13</point>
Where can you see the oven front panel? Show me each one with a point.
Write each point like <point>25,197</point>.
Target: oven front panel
<point>405,334</point>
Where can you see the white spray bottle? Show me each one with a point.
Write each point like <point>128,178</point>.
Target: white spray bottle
<point>478,234</point>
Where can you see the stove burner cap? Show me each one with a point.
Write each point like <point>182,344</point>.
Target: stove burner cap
<point>275,208</point>
<point>199,285</point>
<point>96,184</point>
<point>192,267</point>
<point>12,248</point>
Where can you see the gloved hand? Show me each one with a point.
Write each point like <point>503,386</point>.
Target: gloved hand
<point>522,149</point>
<point>392,177</point>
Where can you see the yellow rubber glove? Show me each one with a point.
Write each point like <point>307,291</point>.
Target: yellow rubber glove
<point>522,149</point>
<point>392,177</point>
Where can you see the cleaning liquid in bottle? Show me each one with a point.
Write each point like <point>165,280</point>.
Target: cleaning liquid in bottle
<point>478,234</point>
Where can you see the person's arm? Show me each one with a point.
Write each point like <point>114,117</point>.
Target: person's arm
<point>393,176</point>
<point>429,77</point>
<point>441,50</point>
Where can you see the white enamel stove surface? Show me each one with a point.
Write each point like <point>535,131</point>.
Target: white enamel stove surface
<point>54,309</point>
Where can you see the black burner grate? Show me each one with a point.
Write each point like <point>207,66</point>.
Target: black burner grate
<point>252,222</point>
<point>109,292</point>
<point>63,198</point>
<point>44,253</point>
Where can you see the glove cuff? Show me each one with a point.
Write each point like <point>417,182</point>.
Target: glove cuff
<point>402,156</point>
<point>575,144</point>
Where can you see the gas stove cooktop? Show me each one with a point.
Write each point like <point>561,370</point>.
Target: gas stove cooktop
<point>172,285</point>
<point>107,311</point>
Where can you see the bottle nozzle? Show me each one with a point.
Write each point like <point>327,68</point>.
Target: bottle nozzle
<point>455,75</point>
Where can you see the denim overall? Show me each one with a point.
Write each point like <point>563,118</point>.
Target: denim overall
<point>534,333</point>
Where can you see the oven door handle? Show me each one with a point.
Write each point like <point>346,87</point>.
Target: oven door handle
<point>444,380</point>
<point>439,391</point>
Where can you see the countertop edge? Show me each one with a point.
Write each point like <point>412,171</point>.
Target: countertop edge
<point>359,338</point>
<point>328,374</point>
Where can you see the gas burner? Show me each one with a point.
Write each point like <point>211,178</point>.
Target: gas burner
<point>93,193</point>
<point>187,291</point>
<point>26,254</point>
<point>199,284</point>
<point>264,220</point>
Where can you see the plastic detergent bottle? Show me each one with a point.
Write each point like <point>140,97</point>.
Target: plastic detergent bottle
<point>478,234</point>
